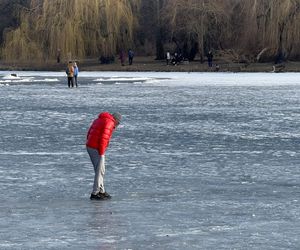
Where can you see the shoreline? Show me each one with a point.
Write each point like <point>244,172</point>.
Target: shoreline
<point>148,64</point>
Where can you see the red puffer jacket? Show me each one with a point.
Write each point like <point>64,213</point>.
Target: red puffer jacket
<point>100,132</point>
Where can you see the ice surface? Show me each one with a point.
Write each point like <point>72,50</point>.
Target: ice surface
<point>201,161</point>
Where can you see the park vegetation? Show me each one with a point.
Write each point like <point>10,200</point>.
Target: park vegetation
<point>241,30</point>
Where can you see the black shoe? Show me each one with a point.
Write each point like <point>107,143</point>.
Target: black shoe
<point>106,195</point>
<point>98,196</point>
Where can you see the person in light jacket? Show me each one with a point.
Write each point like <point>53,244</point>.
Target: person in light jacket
<point>76,71</point>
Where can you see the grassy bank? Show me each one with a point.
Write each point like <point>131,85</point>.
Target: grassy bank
<point>149,64</point>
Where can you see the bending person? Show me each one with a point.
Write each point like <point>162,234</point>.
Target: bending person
<point>98,138</point>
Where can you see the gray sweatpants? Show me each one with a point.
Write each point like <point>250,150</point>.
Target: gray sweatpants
<point>99,168</point>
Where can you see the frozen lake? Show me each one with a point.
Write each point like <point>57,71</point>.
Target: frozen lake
<point>201,161</point>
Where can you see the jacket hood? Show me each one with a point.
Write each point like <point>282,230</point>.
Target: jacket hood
<point>106,115</point>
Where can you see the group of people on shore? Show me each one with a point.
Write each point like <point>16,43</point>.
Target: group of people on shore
<point>177,58</point>
<point>72,74</point>
<point>174,59</point>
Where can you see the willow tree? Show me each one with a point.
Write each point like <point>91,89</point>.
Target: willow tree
<point>272,28</point>
<point>196,24</point>
<point>77,28</point>
<point>9,13</point>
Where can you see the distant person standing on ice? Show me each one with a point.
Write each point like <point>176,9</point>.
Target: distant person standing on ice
<point>58,56</point>
<point>76,71</point>
<point>168,57</point>
<point>210,58</point>
<point>98,138</point>
<point>70,74</point>
<point>122,57</point>
<point>130,56</point>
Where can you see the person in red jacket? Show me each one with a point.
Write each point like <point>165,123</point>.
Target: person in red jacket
<point>98,138</point>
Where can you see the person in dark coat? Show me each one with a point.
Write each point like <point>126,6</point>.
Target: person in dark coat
<point>210,58</point>
<point>122,57</point>
<point>130,56</point>
<point>58,56</point>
